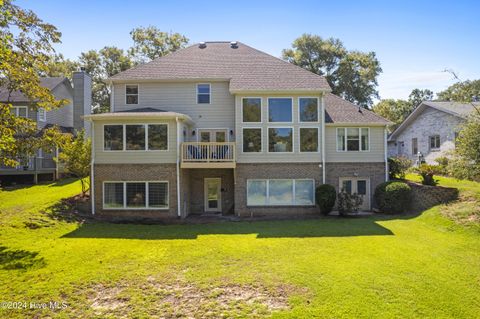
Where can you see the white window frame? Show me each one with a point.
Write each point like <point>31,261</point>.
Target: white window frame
<point>430,142</point>
<point>280,127</point>
<point>268,109</point>
<point>124,149</point>
<point>17,107</point>
<point>261,139</point>
<point>261,109</point>
<point>300,139</point>
<point>345,139</point>
<point>42,115</point>
<point>138,94</point>
<point>147,206</point>
<point>318,108</point>
<point>267,180</point>
<point>209,90</point>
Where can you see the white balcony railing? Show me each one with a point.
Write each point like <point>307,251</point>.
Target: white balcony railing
<point>210,152</point>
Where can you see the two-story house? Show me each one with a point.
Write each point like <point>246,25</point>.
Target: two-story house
<point>223,127</point>
<point>430,131</point>
<point>68,118</point>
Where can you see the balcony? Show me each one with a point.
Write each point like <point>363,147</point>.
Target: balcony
<point>208,155</point>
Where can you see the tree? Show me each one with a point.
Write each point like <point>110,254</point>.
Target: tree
<point>351,74</point>
<point>150,43</point>
<point>101,65</point>
<point>466,91</point>
<point>59,66</point>
<point>25,45</point>
<point>76,157</point>
<point>393,110</point>
<point>418,96</point>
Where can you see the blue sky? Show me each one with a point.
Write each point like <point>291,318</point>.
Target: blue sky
<point>414,40</point>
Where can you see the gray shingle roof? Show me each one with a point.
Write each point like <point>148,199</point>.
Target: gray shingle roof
<point>338,110</point>
<point>461,109</point>
<point>248,69</point>
<point>17,96</point>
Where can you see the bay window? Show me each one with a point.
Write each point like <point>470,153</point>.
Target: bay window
<point>353,139</point>
<point>280,192</point>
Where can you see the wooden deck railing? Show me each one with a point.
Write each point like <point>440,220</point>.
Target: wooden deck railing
<point>201,152</point>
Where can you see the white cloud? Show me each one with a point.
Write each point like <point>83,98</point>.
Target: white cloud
<point>398,85</point>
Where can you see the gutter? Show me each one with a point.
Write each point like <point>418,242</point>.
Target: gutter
<point>92,178</point>
<point>179,212</point>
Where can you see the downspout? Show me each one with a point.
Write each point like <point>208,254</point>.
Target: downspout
<point>179,211</point>
<point>323,140</point>
<point>92,179</point>
<point>385,151</point>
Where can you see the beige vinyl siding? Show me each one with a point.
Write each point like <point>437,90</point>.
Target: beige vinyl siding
<point>64,115</point>
<point>268,157</point>
<point>375,154</point>
<point>132,157</point>
<point>181,97</point>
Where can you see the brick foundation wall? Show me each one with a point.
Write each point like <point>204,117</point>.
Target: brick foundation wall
<point>424,197</point>
<point>135,172</point>
<point>374,171</point>
<point>273,170</point>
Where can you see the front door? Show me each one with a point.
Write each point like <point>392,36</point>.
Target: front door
<point>213,135</point>
<point>213,194</point>
<point>359,185</point>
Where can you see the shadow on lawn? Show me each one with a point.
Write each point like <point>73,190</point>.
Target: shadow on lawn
<point>19,259</point>
<point>262,229</point>
<point>60,182</point>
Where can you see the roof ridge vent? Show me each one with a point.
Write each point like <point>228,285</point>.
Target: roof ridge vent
<point>234,44</point>
<point>202,45</point>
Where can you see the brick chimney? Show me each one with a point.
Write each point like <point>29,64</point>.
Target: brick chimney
<point>82,99</point>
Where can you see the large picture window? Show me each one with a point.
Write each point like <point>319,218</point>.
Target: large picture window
<point>252,140</point>
<point>308,139</point>
<point>252,110</point>
<point>280,192</point>
<point>113,137</point>
<point>280,139</point>
<point>353,139</point>
<point>135,137</point>
<point>135,195</point>
<point>308,109</point>
<point>280,110</point>
<point>131,94</point>
<point>158,137</point>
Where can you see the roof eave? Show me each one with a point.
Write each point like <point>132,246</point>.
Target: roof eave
<point>138,116</point>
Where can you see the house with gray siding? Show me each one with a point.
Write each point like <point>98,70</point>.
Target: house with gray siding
<point>220,127</point>
<point>69,118</point>
<point>429,132</point>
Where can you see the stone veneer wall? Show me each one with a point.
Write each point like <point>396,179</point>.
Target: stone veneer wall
<point>424,197</point>
<point>374,171</point>
<point>135,172</point>
<point>273,170</point>
<point>193,184</point>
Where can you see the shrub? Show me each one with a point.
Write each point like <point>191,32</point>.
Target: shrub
<point>398,166</point>
<point>393,197</point>
<point>442,165</point>
<point>427,172</point>
<point>461,168</point>
<point>325,196</point>
<point>348,203</point>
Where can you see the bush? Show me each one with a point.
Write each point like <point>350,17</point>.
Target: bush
<point>428,172</point>
<point>398,166</point>
<point>442,165</point>
<point>348,203</point>
<point>393,197</point>
<point>325,196</point>
<point>460,168</point>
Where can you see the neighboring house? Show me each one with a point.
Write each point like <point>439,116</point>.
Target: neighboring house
<point>68,118</point>
<point>429,131</point>
<point>223,127</point>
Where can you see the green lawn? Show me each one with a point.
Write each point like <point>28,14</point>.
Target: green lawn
<point>423,266</point>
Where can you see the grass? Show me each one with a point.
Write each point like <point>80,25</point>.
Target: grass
<point>424,266</point>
